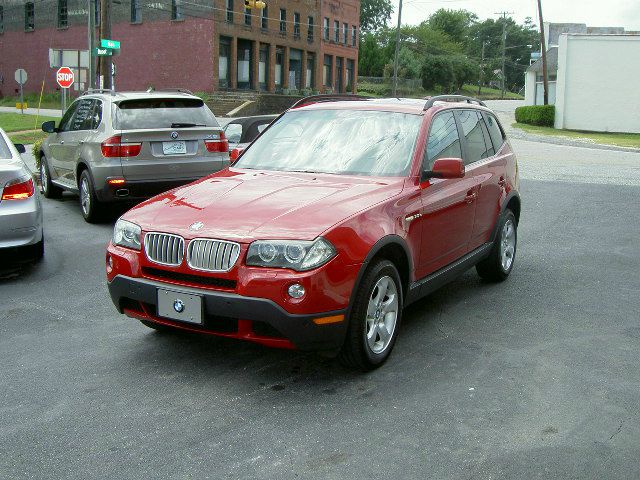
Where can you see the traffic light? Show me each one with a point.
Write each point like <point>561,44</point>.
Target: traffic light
<point>256,4</point>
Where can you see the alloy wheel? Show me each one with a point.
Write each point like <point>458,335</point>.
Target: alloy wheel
<point>507,245</point>
<point>85,196</point>
<point>382,314</point>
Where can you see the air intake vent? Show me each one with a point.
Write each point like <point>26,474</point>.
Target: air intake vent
<point>212,255</point>
<point>163,248</point>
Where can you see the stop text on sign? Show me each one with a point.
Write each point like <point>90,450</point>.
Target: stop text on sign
<point>64,77</point>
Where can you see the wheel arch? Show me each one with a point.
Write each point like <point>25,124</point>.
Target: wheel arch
<point>513,203</point>
<point>80,167</point>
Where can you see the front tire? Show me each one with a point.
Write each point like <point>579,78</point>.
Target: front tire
<point>375,317</point>
<point>498,265</point>
<point>89,205</point>
<point>49,190</point>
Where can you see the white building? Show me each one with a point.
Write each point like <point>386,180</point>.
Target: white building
<point>591,71</point>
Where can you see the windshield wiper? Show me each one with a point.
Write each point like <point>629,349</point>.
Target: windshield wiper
<point>186,125</point>
<point>302,171</point>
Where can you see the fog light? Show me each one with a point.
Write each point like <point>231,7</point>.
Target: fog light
<point>109,264</point>
<point>296,291</point>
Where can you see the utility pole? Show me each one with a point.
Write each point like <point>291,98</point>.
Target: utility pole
<point>504,47</point>
<point>91,27</point>
<point>544,56</point>
<point>395,58</point>
<point>481,68</point>
<point>105,32</point>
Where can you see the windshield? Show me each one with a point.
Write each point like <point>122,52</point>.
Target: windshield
<point>163,113</point>
<point>348,142</point>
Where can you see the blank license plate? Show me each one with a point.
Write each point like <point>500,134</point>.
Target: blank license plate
<point>174,148</point>
<point>180,306</point>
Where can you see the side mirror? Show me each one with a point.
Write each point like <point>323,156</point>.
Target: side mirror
<point>20,147</point>
<point>49,127</point>
<point>233,155</point>
<point>446,168</point>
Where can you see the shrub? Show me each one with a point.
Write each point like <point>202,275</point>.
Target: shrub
<point>35,149</point>
<point>543,115</point>
<point>437,70</point>
<point>375,89</point>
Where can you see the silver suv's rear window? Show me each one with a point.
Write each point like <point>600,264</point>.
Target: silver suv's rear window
<point>4,149</point>
<point>149,113</point>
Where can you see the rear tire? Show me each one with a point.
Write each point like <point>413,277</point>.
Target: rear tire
<point>89,205</point>
<point>375,318</point>
<point>498,265</point>
<point>49,190</point>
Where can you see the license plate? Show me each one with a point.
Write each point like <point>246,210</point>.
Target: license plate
<point>174,148</point>
<point>180,306</point>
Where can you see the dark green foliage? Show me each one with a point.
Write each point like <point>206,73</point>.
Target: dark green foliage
<point>374,14</point>
<point>448,72</point>
<point>542,115</point>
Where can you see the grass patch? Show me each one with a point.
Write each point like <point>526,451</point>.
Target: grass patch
<point>49,100</point>
<point>384,90</point>
<point>619,139</point>
<point>27,138</point>
<point>15,122</point>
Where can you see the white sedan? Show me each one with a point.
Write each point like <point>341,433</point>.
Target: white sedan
<point>21,233</point>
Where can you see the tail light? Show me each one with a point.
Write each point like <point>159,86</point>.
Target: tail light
<point>234,154</point>
<point>221,145</point>
<point>18,189</point>
<point>113,147</point>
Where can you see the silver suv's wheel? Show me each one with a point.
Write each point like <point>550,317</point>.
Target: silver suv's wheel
<point>91,208</point>
<point>375,317</point>
<point>498,265</point>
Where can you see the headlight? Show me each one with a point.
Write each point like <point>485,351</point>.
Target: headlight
<point>126,234</point>
<point>295,254</point>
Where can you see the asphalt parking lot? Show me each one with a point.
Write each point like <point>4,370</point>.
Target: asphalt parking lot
<point>534,378</point>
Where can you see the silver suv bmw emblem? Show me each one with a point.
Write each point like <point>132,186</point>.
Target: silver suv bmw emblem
<point>178,306</point>
<point>174,135</point>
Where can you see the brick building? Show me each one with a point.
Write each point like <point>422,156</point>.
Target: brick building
<point>292,45</point>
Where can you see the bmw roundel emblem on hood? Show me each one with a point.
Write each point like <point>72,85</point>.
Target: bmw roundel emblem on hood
<point>174,135</point>
<point>196,226</point>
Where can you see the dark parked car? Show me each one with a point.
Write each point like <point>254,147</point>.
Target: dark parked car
<point>240,132</point>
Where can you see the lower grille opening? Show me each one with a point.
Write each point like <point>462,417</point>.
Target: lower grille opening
<point>266,330</point>
<point>187,278</point>
<point>220,324</point>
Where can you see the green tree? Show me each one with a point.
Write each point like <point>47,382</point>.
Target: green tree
<point>437,71</point>
<point>454,23</point>
<point>465,70</point>
<point>374,14</point>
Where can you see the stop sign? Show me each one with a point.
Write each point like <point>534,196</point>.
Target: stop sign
<point>64,77</point>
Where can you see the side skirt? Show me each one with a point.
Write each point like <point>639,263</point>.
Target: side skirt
<point>430,283</point>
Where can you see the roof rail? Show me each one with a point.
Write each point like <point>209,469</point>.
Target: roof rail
<point>328,98</point>
<point>99,90</point>
<point>178,90</point>
<point>451,98</point>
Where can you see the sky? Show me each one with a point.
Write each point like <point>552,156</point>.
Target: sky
<point>610,13</point>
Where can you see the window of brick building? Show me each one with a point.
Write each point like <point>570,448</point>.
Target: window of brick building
<point>278,67</point>
<point>354,35</point>
<point>247,16</point>
<point>63,17</point>
<point>349,68</point>
<point>296,25</point>
<point>283,20</point>
<point>310,29</point>
<point>229,8</point>
<point>176,10</point>
<point>136,11</point>
<point>311,63</point>
<point>345,32</point>
<point>326,71</point>
<point>336,31</point>
<point>1,19</point>
<point>224,53</point>
<point>263,66</point>
<point>29,16</point>
<point>264,18</point>
<point>325,29</point>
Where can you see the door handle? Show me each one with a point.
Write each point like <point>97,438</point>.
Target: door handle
<point>61,142</point>
<point>81,142</point>
<point>471,196</point>
<point>502,182</point>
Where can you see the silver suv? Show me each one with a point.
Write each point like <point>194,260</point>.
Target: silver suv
<point>112,146</point>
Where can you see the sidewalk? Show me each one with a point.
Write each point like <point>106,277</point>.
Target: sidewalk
<point>45,112</point>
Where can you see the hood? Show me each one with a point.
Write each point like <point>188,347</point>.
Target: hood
<point>245,205</point>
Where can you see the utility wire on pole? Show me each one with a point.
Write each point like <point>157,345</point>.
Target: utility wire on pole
<point>481,68</point>
<point>395,58</point>
<point>504,47</point>
<point>105,32</point>
<point>543,47</point>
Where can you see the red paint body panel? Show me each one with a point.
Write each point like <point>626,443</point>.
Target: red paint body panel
<point>439,221</point>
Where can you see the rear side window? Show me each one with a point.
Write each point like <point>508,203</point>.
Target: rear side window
<point>494,131</point>
<point>443,141</point>
<point>97,114</point>
<point>83,119</point>
<point>233,132</point>
<point>150,113</point>
<point>471,124</point>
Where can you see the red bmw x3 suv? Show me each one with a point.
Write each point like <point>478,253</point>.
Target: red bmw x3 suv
<point>343,211</point>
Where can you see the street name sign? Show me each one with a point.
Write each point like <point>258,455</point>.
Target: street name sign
<point>65,77</point>
<point>102,52</point>
<point>112,44</point>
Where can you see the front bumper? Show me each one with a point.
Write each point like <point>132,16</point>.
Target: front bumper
<point>231,315</point>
